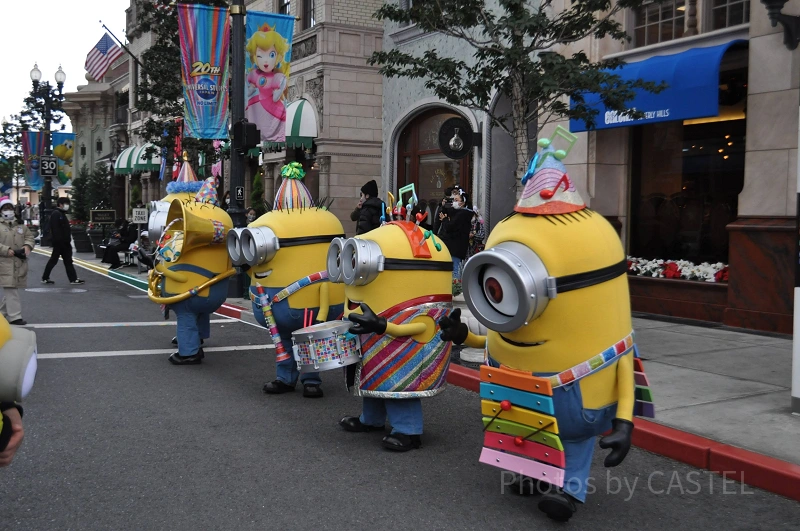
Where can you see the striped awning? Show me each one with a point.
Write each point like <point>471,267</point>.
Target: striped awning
<point>143,162</point>
<point>301,128</point>
<point>124,162</point>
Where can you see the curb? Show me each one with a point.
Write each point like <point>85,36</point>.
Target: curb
<point>768,473</point>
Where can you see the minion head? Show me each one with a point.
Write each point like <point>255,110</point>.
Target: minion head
<point>389,265</point>
<point>552,279</point>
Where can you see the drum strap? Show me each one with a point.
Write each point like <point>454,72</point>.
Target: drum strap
<point>321,276</point>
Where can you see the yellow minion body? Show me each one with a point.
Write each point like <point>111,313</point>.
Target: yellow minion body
<point>577,324</point>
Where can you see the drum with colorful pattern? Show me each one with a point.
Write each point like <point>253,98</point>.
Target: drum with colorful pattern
<point>325,346</point>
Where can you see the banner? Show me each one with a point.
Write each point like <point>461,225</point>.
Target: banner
<point>32,149</point>
<point>64,149</point>
<point>267,58</point>
<point>204,34</point>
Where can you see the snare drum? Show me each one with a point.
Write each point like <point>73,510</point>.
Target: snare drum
<point>325,346</point>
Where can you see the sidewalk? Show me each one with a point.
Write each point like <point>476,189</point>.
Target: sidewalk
<point>716,390</point>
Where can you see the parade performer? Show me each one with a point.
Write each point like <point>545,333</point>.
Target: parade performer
<point>192,262</point>
<point>562,366</point>
<point>289,286</point>
<point>267,80</point>
<point>17,374</point>
<point>398,285</point>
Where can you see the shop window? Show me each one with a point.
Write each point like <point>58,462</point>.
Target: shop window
<point>284,7</point>
<point>422,163</point>
<point>727,13</point>
<point>659,22</point>
<point>309,20</point>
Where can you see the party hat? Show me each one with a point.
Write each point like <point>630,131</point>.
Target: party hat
<point>292,193</point>
<point>548,188</point>
<point>208,192</point>
<point>186,182</point>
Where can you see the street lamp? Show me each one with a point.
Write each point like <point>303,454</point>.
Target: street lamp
<point>791,38</point>
<point>50,103</point>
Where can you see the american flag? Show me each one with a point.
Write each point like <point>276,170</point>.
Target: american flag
<point>102,55</point>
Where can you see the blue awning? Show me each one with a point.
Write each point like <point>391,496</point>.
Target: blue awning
<point>692,92</point>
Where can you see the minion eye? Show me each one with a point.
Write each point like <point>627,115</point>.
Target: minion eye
<point>500,291</point>
<point>334,260</point>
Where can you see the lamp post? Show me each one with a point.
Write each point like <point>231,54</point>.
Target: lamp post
<point>50,104</point>
<point>791,38</point>
<point>236,210</point>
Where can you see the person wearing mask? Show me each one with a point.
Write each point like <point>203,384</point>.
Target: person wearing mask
<point>251,215</point>
<point>455,225</point>
<point>226,201</point>
<point>367,214</point>
<point>62,243</point>
<point>119,241</point>
<point>16,243</point>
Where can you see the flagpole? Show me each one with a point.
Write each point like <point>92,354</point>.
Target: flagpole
<point>122,45</point>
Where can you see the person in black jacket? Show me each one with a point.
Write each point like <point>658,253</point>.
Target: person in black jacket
<point>367,214</point>
<point>120,240</point>
<point>456,223</point>
<point>62,243</point>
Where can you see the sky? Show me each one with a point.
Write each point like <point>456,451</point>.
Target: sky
<point>51,32</point>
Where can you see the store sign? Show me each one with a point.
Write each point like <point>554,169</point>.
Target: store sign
<point>613,117</point>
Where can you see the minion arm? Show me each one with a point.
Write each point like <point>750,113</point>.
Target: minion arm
<point>626,386</point>
<point>475,341</point>
<point>410,329</point>
<point>322,316</point>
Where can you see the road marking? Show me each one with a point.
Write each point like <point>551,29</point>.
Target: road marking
<point>113,353</point>
<point>115,325</point>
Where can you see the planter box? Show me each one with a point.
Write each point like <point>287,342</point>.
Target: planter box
<point>689,299</point>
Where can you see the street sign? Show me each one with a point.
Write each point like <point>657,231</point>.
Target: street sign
<point>140,216</point>
<point>240,193</point>
<point>102,216</point>
<point>48,166</point>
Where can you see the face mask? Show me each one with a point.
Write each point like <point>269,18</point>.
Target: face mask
<point>456,205</point>
<point>8,214</point>
<point>65,207</point>
<point>251,218</point>
<point>228,201</point>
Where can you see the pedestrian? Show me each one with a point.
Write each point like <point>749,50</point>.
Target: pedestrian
<point>456,223</point>
<point>251,215</point>
<point>119,241</point>
<point>16,243</point>
<point>226,201</point>
<point>369,210</point>
<point>61,236</point>
<point>477,233</point>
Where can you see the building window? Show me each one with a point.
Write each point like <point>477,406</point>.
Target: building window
<point>686,178</point>
<point>284,7</point>
<point>727,13</point>
<point>659,22</point>
<point>309,20</point>
<point>420,161</point>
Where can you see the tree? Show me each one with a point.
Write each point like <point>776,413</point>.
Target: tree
<point>78,196</point>
<point>518,50</point>
<point>257,195</point>
<point>160,91</point>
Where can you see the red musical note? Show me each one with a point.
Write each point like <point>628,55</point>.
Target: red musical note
<point>421,217</point>
<point>548,194</point>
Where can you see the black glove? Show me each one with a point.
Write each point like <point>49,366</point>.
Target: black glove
<point>367,322</point>
<point>619,440</point>
<point>453,329</point>
<point>20,253</point>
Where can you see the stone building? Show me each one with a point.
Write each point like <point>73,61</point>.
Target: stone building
<point>708,176</point>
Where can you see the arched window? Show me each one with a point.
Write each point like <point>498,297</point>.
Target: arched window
<point>421,162</point>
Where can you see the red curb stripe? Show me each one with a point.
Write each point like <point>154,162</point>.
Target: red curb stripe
<point>748,467</point>
<point>229,311</point>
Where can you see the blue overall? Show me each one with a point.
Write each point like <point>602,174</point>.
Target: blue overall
<point>194,313</point>
<point>404,414</point>
<point>289,319</point>
<point>578,428</point>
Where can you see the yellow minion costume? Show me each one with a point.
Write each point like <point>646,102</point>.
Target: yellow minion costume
<point>551,289</point>
<point>17,372</point>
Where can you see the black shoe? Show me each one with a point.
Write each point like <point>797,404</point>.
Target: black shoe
<point>175,341</point>
<point>78,281</point>
<point>277,387</point>
<point>118,266</point>
<point>354,425</point>
<point>47,281</point>
<point>312,391</point>
<point>194,359</point>
<point>400,442</point>
<point>558,506</point>
<point>20,322</point>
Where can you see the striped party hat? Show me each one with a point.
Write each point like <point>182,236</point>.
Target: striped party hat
<point>292,193</point>
<point>186,182</point>
<point>208,192</point>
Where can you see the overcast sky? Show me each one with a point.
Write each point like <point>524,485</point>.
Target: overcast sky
<point>51,32</point>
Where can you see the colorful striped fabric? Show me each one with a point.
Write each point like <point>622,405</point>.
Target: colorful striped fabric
<point>263,300</point>
<point>293,194</point>
<point>401,367</point>
<point>643,407</point>
<point>594,363</point>
<point>321,276</point>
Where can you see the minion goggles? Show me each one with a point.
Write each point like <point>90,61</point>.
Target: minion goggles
<point>357,262</point>
<point>254,246</point>
<point>508,286</point>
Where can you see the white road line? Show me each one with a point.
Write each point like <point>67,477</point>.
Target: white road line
<point>112,353</point>
<point>116,325</point>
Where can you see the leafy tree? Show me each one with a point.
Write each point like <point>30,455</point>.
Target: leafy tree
<point>160,91</point>
<point>98,190</point>
<point>257,195</point>
<point>78,198</point>
<point>523,50</point>
<point>136,195</point>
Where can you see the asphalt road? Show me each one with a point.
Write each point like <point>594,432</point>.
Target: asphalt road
<point>132,442</point>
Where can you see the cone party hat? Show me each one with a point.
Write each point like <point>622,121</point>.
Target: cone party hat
<point>208,192</point>
<point>292,193</point>
<point>186,182</point>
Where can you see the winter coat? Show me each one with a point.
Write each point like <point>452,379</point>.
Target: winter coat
<point>60,229</point>
<point>454,231</point>
<point>368,217</point>
<point>13,271</point>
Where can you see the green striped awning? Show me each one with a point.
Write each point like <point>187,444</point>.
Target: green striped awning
<point>124,163</point>
<point>301,128</point>
<point>143,162</point>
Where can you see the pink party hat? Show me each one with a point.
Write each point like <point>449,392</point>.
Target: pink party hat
<point>186,182</point>
<point>208,192</point>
